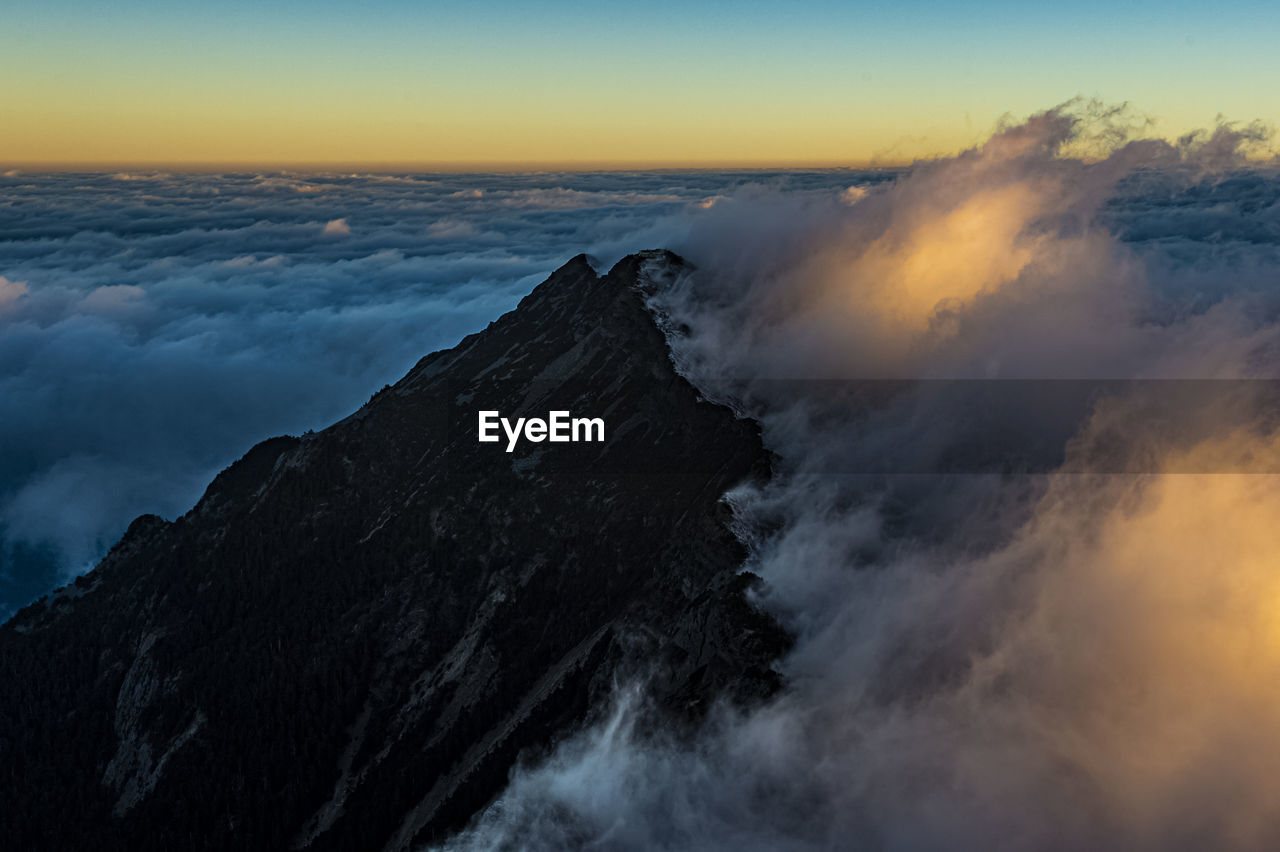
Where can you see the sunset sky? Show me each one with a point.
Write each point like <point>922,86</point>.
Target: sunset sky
<point>601,83</point>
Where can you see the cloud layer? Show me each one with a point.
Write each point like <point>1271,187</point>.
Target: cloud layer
<point>985,660</point>
<point>154,326</point>
<point>1076,660</point>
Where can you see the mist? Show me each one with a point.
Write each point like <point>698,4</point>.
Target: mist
<point>1078,655</point>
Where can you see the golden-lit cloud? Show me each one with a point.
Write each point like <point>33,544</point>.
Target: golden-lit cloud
<point>910,272</point>
<point>1087,658</point>
<point>1145,653</point>
<point>10,293</point>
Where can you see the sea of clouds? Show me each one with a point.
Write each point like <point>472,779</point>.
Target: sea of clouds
<point>155,326</point>
<point>1083,656</point>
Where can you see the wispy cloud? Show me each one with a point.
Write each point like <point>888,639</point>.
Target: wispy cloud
<point>1064,661</point>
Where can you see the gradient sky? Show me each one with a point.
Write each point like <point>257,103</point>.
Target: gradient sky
<point>607,82</point>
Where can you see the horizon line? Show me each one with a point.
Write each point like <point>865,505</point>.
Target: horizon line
<point>438,167</point>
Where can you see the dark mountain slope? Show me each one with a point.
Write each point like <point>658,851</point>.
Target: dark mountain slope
<point>347,643</point>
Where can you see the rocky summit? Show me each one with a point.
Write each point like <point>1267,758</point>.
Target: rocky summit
<point>355,634</point>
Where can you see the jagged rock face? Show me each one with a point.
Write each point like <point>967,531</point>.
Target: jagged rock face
<point>350,639</point>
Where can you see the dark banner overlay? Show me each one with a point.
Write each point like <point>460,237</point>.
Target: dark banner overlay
<point>888,427</point>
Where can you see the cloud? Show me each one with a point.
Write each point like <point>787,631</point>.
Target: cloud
<point>51,506</point>
<point>113,298</point>
<point>155,326</point>
<point>1069,660</point>
<point>853,194</point>
<point>337,228</point>
<point>139,176</point>
<point>10,293</point>
<point>451,229</point>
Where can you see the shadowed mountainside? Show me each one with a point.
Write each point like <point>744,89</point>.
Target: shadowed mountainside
<point>354,634</point>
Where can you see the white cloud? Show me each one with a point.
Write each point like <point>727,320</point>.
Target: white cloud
<point>1074,661</point>
<point>451,229</point>
<point>10,293</point>
<point>337,228</point>
<point>113,298</point>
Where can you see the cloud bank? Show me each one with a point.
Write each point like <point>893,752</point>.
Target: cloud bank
<point>1069,660</point>
<point>1074,659</point>
<point>155,326</point>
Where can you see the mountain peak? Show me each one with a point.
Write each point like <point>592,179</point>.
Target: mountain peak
<point>376,621</point>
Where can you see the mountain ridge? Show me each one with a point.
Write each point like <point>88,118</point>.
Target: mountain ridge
<point>354,634</point>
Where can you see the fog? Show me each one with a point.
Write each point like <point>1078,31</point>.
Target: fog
<point>1079,655</point>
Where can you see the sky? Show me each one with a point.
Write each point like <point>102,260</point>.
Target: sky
<point>576,84</point>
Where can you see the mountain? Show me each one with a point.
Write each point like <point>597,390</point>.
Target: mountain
<point>351,638</point>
